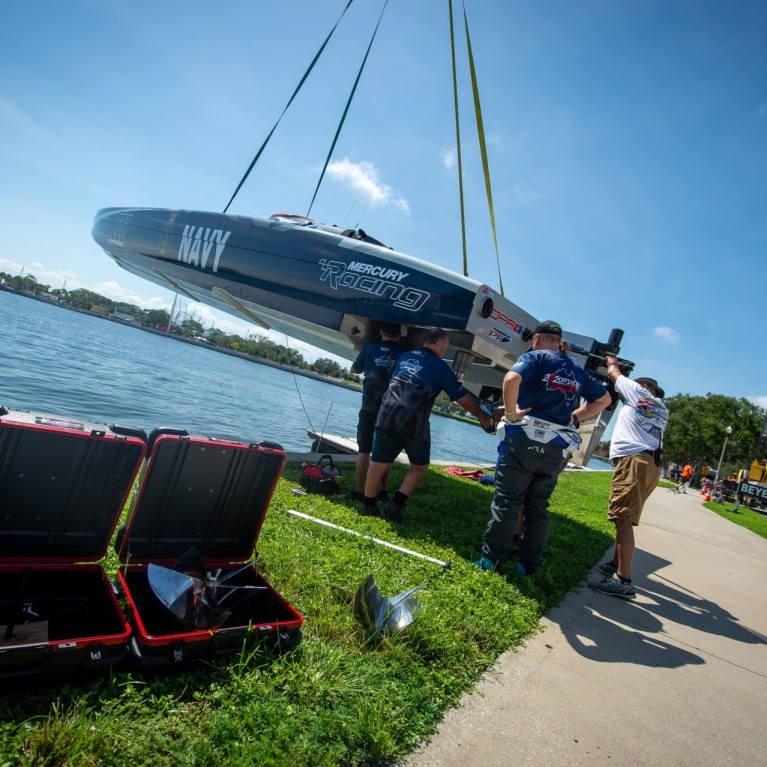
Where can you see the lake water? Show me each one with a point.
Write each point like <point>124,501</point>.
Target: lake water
<point>74,364</point>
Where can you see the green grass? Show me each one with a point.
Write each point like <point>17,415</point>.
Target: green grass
<point>341,697</point>
<point>745,517</point>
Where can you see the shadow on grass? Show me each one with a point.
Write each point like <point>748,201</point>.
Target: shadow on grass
<point>27,697</point>
<point>447,516</point>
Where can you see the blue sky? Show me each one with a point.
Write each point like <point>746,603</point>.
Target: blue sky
<point>627,144</point>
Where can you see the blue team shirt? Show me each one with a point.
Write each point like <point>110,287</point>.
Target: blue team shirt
<point>424,368</point>
<point>418,377</point>
<point>376,361</point>
<point>552,385</point>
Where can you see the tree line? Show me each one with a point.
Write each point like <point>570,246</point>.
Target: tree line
<point>188,327</point>
<point>697,427</point>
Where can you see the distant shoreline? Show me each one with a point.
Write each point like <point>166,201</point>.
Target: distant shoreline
<point>200,344</point>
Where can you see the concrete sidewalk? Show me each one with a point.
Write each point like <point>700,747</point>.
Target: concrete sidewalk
<point>676,677</point>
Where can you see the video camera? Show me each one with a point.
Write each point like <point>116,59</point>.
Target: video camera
<point>596,363</point>
<point>490,398</point>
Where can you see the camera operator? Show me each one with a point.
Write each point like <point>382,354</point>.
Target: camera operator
<point>635,451</point>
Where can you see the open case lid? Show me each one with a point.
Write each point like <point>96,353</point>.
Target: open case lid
<point>200,491</point>
<point>63,485</point>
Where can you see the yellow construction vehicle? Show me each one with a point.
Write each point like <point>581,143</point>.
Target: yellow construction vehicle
<point>752,486</point>
<point>752,482</point>
<point>757,472</point>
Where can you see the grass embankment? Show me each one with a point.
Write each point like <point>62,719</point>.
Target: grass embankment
<point>341,697</point>
<point>745,517</point>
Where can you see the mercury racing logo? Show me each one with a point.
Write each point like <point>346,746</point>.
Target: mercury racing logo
<point>377,280</point>
<point>197,243</point>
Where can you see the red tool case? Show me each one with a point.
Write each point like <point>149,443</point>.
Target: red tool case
<point>63,485</point>
<point>210,494</point>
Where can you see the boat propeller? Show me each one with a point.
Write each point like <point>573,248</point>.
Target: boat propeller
<point>197,598</point>
<point>390,615</point>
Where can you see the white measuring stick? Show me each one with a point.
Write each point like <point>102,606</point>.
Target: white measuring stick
<point>369,538</point>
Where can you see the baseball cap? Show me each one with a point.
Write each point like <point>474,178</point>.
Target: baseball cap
<point>549,327</point>
<point>654,384</point>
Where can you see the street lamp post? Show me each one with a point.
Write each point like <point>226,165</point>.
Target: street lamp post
<point>727,433</point>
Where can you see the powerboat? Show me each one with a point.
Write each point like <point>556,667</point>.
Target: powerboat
<point>331,287</point>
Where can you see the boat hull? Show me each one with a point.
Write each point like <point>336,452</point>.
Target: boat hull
<point>304,279</point>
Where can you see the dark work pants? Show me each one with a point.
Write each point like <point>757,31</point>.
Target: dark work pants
<point>524,481</point>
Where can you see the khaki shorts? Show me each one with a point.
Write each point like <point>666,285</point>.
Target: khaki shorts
<point>634,478</point>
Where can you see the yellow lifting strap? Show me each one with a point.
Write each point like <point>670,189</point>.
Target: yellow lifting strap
<point>458,145</point>
<point>482,144</point>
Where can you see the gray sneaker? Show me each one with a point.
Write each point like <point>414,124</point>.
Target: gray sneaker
<point>614,588</point>
<point>607,568</point>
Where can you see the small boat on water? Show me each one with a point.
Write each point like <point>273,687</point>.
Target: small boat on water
<point>330,287</point>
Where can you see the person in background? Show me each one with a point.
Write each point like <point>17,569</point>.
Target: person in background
<point>636,453</point>
<point>403,420</point>
<point>541,396</point>
<point>684,479</point>
<point>376,361</point>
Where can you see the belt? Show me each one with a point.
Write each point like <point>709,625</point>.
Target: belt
<point>614,461</point>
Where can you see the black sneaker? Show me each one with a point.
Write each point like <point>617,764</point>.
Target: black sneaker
<point>356,495</point>
<point>392,512</point>
<point>607,568</point>
<point>525,571</point>
<point>368,511</point>
<point>614,587</point>
<point>383,497</point>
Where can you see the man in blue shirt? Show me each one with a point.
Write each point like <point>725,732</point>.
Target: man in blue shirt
<point>541,397</point>
<point>403,420</point>
<point>376,361</point>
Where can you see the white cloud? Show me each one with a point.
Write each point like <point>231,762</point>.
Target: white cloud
<point>762,110</point>
<point>526,195</point>
<point>10,267</point>
<point>760,400</point>
<point>667,334</point>
<point>54,278</point>
<point>363,178</point>
<point>115,291</point>
<point>449,158</point>
<point>496,140</point>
